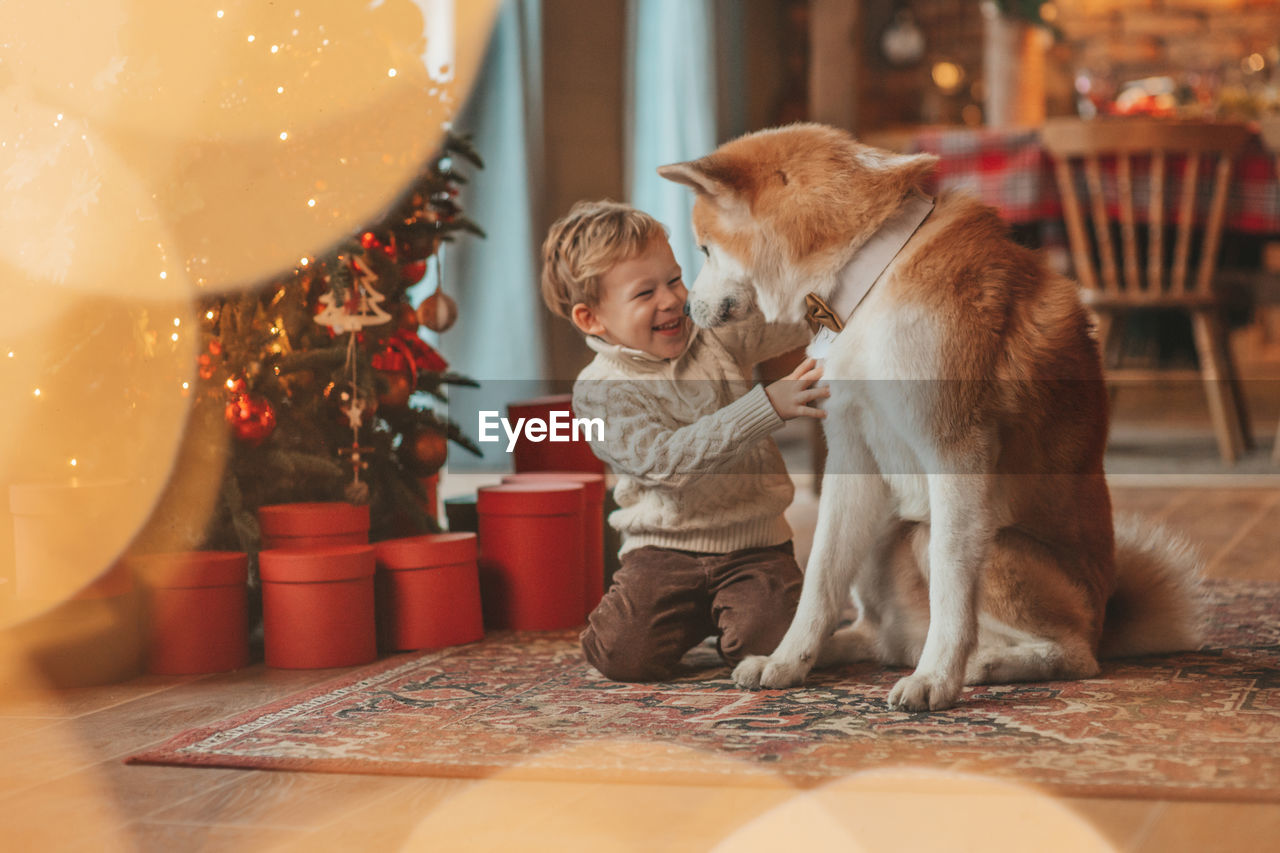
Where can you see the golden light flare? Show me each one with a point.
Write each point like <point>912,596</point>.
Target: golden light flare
<point>101,391</point>
<point>190,105</point>
<point>881,809</point>
<point>143,167</point>
<point>751,810</point>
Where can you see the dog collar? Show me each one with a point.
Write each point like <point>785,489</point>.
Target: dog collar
<point>828,317</point>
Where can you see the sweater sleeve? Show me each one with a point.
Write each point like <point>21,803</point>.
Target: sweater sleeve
<point>637,443</point>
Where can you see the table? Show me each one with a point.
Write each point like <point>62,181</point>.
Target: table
<point>1008,169</point>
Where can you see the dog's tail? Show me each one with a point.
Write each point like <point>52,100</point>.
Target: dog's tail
<point>1157,603</point>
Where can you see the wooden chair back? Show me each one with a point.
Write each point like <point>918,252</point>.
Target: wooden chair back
<point>1081,148</point>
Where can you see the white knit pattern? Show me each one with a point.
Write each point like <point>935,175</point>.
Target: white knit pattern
<point>689,439</point>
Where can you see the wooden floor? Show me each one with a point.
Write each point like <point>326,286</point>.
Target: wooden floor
<point>63,786</point>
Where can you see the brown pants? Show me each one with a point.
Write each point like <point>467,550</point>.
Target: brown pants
<point>664,602</point>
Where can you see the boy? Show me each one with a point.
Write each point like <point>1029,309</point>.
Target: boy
<point>701,485</point>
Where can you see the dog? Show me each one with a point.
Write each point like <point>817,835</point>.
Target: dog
<point>964,512</point>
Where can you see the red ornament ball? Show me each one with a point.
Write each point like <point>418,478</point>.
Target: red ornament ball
<point>412,272</point>
<point>424,452</point>
<point>399,389</point>
<point>438,312</point>
<point>406,317</point>
<point>369,240</point>
<point>251,417</point>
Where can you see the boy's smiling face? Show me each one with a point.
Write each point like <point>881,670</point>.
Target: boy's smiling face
<point>641,304</point>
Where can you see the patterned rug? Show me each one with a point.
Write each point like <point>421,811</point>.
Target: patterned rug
<point>1202,725</point>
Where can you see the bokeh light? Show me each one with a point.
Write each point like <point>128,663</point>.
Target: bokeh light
<point>152,152</point>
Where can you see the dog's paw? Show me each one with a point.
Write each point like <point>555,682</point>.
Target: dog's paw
<point>748,671</point>
<point>922,691</point>
<point>758,671</point>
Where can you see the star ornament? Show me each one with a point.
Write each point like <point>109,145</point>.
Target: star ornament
<point>355,412</point>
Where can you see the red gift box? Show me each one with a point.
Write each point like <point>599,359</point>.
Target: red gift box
<point>313,525</point>
<point>592,527</point>
<point>530,539</point>
<point>318,606</point>
<point>196,611</point>
<point>549,455</point>
<point>431,505</point>
<point>428,591</point>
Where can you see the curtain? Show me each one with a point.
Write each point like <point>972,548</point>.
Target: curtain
<point>499,334</point>
<point>670,108</point>
<point>498,339</point>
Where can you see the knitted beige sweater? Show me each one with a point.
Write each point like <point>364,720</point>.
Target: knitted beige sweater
<point>689,439</point>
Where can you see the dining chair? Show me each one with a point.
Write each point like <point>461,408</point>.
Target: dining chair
<point>1099,164</point>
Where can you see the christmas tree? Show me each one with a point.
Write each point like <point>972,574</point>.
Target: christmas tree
<point>315,373</point>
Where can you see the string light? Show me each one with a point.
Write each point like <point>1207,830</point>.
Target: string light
<point>391,72</point>
<point>186,385</point>
<point>279,90</point>
<point>208,315</point>
<point>37,392</point>
<point>947,76</point>
<point>284,134</point>
<point>174,337</point>
<point>177,322</point>
<point>219,13</point>
<point>311,202</point>
<point>10,353</point>
<point>251,38</point>
<point>164,274</point>
<point>275,48</point>
<point>73,462</point>
<point>304,262</point>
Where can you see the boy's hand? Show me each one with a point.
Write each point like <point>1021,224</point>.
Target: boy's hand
<point>790,394</point>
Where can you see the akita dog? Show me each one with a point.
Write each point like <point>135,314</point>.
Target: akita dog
<point>964,503</point>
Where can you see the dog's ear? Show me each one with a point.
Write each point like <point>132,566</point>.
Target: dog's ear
<point>707,176</point>
<point>911,169</point>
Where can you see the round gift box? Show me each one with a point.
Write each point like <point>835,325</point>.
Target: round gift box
<point>62,539</point>
<point>592,527</point>
<point>196,611</point>
<point>318,606</point>
<point>530,539</point>
<point>313,525</point>
<point>428,592</point>
<point>547,455</point>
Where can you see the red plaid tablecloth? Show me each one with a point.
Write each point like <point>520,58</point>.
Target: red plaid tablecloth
<point>1009,170</point>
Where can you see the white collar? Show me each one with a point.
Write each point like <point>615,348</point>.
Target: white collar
<point>636,356</point>
<point>867,266</point>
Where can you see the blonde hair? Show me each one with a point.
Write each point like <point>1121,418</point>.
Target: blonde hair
<point>585,244</point>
